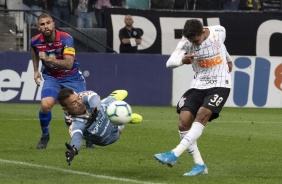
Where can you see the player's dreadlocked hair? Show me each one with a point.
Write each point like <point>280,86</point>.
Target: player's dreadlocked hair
<point>192,28</point>
<point>64,94</point>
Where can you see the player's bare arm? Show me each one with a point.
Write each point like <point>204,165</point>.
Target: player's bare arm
<point>230,65</point>
<point>35,61</point>
<point>67,62</point>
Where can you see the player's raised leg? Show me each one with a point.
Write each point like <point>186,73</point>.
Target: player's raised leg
<point>119,94</point>
<point>136,118</point>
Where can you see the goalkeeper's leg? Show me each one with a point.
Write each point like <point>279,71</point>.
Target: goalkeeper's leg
<point>118,94</point>
<point>136,118</point>
<point>121,95</point>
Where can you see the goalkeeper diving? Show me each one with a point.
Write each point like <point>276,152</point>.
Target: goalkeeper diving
<point>88,119</point>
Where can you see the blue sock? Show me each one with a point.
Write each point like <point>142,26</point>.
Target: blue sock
<point>45,122</point>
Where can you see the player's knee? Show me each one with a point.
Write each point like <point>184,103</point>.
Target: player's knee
<point>203,113</point>
<point>47,105</point>
<point>203,117</point>
<point>184,125</point>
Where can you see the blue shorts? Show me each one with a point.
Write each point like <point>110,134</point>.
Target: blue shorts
<point>52,86</point>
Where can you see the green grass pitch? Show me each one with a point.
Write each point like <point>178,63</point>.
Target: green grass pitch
<point>242,146</point>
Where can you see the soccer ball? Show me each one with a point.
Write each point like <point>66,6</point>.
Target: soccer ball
<point>119,112</point>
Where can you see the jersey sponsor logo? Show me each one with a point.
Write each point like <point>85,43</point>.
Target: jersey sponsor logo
<point>98,124</point>
<point>206,56</point>
<point>208,63</point>
<point>208,80</point>
<point>41,46</point>
<point>211,82</point>
<point>57,44</point>
<point>219,30</point>
<point>204,47</point>
<point>210,104</point>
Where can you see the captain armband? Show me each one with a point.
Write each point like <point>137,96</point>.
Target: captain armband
<point>69,51</point>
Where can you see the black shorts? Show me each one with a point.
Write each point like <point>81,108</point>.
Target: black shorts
<point>212,99</point>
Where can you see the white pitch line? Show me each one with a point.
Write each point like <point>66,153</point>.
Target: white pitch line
<point>216,121</point>
<point>74,172</point>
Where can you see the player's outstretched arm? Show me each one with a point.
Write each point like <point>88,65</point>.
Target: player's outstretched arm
<point>70,153</point>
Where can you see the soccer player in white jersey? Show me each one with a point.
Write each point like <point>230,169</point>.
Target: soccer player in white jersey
<point>204,49</point>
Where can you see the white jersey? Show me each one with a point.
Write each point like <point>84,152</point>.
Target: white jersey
<point>210,63</point>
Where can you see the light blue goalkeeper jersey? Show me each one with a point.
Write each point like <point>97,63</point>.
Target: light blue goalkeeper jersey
<point>102,132</point>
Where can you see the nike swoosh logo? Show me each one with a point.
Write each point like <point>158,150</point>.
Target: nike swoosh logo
<point>211,104</point>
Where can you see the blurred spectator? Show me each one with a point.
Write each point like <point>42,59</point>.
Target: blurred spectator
<point>99,11</point>
<point>129,37</point>
<point>138,4</point>
<point>250,5</point>
<point>162,4</point>
<point>118,3</point>
<point>207,4</point>
<point>37,6</point>
<point>272,5</point>
<point>231,5</point>
<point>60,9</point>
<point>83,11</point>
<point>181,4</point>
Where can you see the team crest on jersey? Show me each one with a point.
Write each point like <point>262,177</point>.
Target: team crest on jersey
<point>181,102</point>
<point>216,44</point>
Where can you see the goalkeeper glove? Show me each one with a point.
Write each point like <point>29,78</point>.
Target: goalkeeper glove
<point>70,153</point>
<point>92,116</point>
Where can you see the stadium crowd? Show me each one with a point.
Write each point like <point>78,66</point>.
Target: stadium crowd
<point>66,9</point>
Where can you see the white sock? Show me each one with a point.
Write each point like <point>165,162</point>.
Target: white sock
<point>195,152</point>
<point>193,149</point>
<point>194,133</point>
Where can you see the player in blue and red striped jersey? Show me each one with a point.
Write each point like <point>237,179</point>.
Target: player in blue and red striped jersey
<point>60,69</point>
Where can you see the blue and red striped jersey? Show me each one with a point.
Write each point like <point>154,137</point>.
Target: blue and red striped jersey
<point>63,45</point>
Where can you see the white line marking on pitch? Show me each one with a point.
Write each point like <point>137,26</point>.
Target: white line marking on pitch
<point>216,121</point>
<point>74,172</point>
